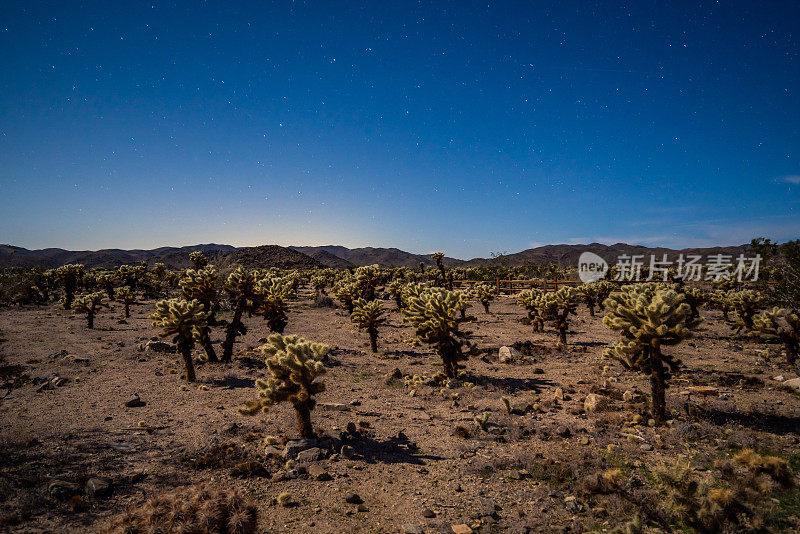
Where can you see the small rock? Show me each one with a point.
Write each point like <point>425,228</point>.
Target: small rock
<point>647,447</point>
<point>428,513</point>
<point>584,440</point>
<point>273,452</point>
<point>536,371</point>
<point>279,476</point>
<point>410,528</point>
<point>347,451</point>
<point>353,498</point>
<point>703,390</point>
<point>461,529</point>
<point>793,383</point>
<point>159,346</point>
<point>558,394</point>
<point>394,374</point>
<point>134,401</point>
<point>333,406</point>
<point>564,431</point>
<point>98,487</point>
<point>362,508</point>
<point>509,354</point>
<point>230,428</point>
<point>309,455</point>
<point>294,446</point>
<point>779,378</point>
<point>317,472</point>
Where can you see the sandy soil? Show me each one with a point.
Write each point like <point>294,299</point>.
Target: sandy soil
<point>409,461</point>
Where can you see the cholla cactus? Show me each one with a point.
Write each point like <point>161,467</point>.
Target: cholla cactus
<point>294,364</point>
<point>368,315</point>
<point>745,304</point>
<point>483,293</point>
<point>108,281</point>
<point>434,315</point>
<point>127,297</point>
<point>202,285</point>
<point>241,288</point>
<point>720,300</point>
<point>346,292</point>
<point>184,320</point>
<point>396,292</point>
<point>737,502</point>
<point>557,307</point>
<point>604,289</point>
<point>648,318</point>
<point>272,295</point>
<point>367,279</point>
<point>695,297</point>
<point>588,293</point>
<point>69,275</point>
<point>779,324</point>
<point>198,260</point>
<point>90,304</point>
<point>438,257</point>
<point>319,283</point>
<point>530,300</point>
<point>197,510</point>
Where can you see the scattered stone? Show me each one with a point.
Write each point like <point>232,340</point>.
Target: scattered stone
<point>509,354</point>
<point>410,528</point>
<point>353,498</point>
<point>279,476</point>
<point>347,451</point>
<point>461,529</point>
<point>295,446</point>
<point>584,440</point>
<point>394,374</point>
<point>362,508</point>
<point>134,401</point>
<point>536,371</point>
<point>563,431</point>
<point>59,355</point>
<point>793,383</point>
<point>333,406</point>
<point>647,447</point>
<point>273,452</point>
<point>98,487</point>
<point>317,472</point>
<point>159,346</point>
<point>310,455</point>
<point>428,513</point>
<point>779,378</point>
<point>595,403</point>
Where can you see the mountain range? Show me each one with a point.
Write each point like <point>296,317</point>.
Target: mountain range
<point>331,256</point>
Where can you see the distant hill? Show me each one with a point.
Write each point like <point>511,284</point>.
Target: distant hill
<point>173,257</point>
<point>387,257</point>
<point>330,256</point>
<point>266,256</point>
<point>569,254</point>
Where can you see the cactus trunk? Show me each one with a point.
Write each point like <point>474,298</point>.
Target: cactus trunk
<point>373,339</point>
<point>90,319</point>
<point>303,414</point>
<point>234,328</point>
<point>205,340</point>
<point>657,386</point>
<point>486,307</point>
<point>185,349</point>
<point>127,310</point>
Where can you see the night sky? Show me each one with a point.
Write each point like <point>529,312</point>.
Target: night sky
<point>465,127</point>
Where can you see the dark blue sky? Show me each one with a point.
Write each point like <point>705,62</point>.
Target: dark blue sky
<point>467,127</point>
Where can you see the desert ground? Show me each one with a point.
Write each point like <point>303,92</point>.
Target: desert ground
<point>394,458</point>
